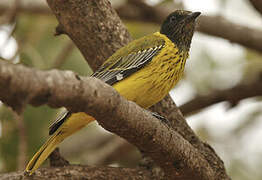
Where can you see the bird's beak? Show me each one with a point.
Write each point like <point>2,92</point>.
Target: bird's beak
<point>192,16</point>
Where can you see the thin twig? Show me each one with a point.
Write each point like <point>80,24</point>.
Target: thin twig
<point>22,142</point>
<point>63,54</point>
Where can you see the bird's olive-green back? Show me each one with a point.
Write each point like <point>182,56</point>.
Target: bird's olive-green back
<point>146,42</point>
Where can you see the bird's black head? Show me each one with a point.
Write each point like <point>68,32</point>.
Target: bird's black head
<point>179,27</point>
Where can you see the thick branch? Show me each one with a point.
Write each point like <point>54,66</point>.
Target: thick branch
<point>233,95</point>
<point>168,109</point>
<point>85,172</point>
<point>177,157</point>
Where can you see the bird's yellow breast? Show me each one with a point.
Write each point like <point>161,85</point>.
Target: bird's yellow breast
<point>152,83</point>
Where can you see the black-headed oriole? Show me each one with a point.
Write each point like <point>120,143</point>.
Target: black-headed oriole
<point>144,71</point>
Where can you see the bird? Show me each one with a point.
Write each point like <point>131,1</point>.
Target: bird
<point>143,71</point>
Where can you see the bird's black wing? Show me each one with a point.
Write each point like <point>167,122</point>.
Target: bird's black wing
<point>59,121</point>
<point>126,65</point>
<point>127,61</point>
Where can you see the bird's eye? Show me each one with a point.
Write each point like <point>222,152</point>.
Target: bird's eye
<point>172,19</point>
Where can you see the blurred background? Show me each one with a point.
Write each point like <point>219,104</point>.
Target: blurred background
<point>233,128</point>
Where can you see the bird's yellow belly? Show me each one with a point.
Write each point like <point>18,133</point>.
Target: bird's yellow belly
<point>148,95</point>
<point>145,88</point>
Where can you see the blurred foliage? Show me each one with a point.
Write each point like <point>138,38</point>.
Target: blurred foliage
<point>39,47</point>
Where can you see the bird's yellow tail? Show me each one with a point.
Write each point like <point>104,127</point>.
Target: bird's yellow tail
<point>67,127</point>
<point>44,152</point>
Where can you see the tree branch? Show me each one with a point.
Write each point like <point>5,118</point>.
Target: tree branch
<point>220,27</point>
<point>85,172</point>
<point>23,144</point>
<point>257,4</point>
<point>29,8</point>
<point>63,54</point>
<point>233,96</point>
<point>177,157</point>
<point>168,109</point>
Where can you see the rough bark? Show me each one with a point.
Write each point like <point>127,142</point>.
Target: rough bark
<point>84,172</point>
<point>168,109</point>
